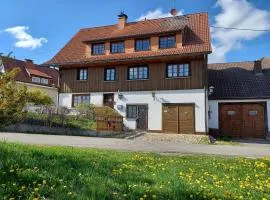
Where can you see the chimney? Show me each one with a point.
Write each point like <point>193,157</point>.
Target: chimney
<point>258,68</point>
<point>122,20</point>
<point>29,60</point>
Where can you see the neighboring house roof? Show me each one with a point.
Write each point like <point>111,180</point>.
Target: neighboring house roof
<point>29,69</point>
<point>240,80</point>
<point>196,39</point>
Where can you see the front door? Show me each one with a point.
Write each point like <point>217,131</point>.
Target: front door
<point>142,117</point>
<point>108,100</point>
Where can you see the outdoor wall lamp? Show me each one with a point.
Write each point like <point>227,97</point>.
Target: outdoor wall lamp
<point>120,95</point>
<point>154,95</point>
<point>211,90</point>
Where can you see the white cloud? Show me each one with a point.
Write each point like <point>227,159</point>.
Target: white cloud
<point>238,14</point>
<point>158,13</point>
<point>24,39</point>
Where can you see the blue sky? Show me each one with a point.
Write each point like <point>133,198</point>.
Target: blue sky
<point>43,27</point>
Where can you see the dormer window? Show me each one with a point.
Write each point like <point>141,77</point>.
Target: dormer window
<point>98,49</point>
<point>142,45</point>
<point>39,80</point>
<point>118,47</point>
<point>166,42</point>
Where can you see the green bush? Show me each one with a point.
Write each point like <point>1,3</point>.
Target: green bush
<point>39,98</point>
<point>13,98</point>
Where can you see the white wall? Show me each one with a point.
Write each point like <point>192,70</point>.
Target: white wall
<point>96,98</point>
<point>214,115</point>
<point>65,100</point>
<point>154,105</point>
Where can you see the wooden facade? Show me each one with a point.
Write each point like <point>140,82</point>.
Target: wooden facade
<point>157,78</point>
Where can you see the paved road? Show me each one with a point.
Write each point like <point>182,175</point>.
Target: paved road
<point>249,150</point>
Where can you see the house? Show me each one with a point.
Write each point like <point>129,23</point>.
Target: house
<point>239,105</point>
<point>33,76</point>
<point>153,72</point>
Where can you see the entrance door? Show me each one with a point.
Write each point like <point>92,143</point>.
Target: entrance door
<point>108,100</point>
<point>243,120</point>
<point>179,118</point>
<point>142,117</point>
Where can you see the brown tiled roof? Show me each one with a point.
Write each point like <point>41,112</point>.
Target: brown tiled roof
<point>239,81</point>
<point>27,69</point>
<point>196,39</point>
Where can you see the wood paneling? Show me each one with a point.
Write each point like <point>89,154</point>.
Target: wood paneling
<point>157,79</point>
<point>243,120</point>
<point>179,118</point>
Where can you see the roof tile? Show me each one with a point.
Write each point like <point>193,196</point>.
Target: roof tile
<point>195,29</point>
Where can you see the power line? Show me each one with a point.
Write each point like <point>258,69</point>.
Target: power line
<point>241,29</point>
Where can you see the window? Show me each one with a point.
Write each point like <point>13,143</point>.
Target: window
<point>252,112</point>
<point>98,49</point>
<point>82,74</point>
<point>178,70</point>
<point>231,112</point>
<point>138,73</point>
<point>142,45</point>
<point>35,79</point>
<point>44,81</point>
<point>80,100</point>
<point>166,42</point>
<point>117,47</point>
<point>132,111</point>
<point>109,74</point>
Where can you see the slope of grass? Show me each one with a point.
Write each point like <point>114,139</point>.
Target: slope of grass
<point>29,172</point>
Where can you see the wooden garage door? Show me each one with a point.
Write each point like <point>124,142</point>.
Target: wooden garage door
<point>179,118</point>
<point>243,120</point>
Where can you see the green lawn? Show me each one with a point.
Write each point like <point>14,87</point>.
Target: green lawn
<point>28,172</point>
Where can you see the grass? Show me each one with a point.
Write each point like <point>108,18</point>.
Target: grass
<point>32,172</point>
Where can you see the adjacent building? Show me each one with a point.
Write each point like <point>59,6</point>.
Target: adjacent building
<point>153,72</point>
<point>33,76</point>
<point>239,105</point>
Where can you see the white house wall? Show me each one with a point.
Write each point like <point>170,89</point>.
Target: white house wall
<point>214,112</point>
<point>154,105</point>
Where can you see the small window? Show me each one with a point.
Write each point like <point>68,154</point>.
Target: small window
<point>117,47</point>
<point>138,73</point>
<point>98,49</point>
<point>178,70</point>
<point>252,112</point>
<point>80,100</point>
<point>132,111</point>
<point>35,79</point>
<point>44,81</point>
<point>166,42</point>
<point>109,74</point>
<point>142,45</point>
<point>82,74</point>
<point>231,113</point>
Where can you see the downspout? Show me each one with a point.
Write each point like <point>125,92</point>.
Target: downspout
<point>206,92</point>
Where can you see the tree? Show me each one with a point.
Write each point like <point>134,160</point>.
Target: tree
<point>39,98</point>
<point>13,98</point>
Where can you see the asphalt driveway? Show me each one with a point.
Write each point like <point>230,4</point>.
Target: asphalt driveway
<point>243,149</point>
